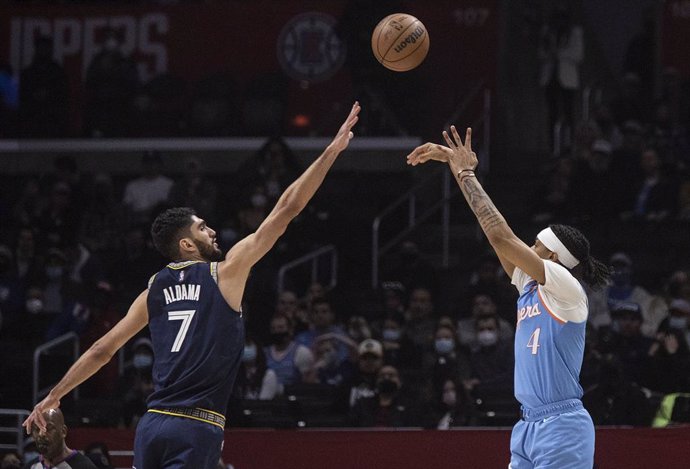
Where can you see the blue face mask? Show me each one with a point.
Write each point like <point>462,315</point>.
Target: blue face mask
<point>391,335</point>
<point>249,354</point>
<point>444,346</point>
<point>54,272</point>
<point>142,361</point>
<point>30,456</point>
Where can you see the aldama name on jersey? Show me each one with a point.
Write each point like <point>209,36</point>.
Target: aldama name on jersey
<point>528,311</point>
<point>181,292</point>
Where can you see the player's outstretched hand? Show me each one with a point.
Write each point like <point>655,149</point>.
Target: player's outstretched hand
<point>342,138</point>
<point>429,151</point>
<point>463,156</point>
<point>36,416</point>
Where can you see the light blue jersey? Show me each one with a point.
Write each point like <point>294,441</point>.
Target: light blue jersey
<point>555,431</point>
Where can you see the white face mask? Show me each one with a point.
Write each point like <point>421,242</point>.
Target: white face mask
<point>391,335</point>
<point>450,398</point>
<point>487,338</point>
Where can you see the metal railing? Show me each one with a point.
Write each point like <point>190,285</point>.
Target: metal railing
<point>410,198</point>
<point>20,415</point>
<point>314,258</point>
<point>42,349</point>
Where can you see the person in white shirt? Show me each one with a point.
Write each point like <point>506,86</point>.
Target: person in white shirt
<point>145,193</point>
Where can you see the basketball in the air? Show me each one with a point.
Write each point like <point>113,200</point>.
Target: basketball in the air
<point>400,42</point>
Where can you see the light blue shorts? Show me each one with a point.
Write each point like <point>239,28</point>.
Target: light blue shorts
<point>561,441</point>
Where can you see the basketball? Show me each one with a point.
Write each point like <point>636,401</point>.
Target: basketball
<point>400,42</point>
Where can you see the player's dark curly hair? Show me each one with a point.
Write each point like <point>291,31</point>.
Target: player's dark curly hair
<point>168,228</point>
<point>593,272</point>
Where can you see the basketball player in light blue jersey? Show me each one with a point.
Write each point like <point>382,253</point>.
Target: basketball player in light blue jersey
<point>555,430</point>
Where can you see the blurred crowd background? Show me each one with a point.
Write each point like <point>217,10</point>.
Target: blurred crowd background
<point>429,346</point>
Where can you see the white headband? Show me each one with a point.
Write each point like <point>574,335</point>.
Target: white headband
<point>552,243</point>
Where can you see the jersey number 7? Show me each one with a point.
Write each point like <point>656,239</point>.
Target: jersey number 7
<point>186,318</point>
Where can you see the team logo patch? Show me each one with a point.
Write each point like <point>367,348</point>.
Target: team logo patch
<point>181,275</point>
<point>308,48</point>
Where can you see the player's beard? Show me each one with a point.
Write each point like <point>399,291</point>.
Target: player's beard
<point>208,251</point>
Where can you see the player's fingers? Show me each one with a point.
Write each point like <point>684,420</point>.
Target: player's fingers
<point>456,136</point>
<point>27,424</point>
<point>468,139</point>
<point>448,140</point>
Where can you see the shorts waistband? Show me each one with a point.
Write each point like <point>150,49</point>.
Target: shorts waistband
<point>195,413</point>
<point>548,410</point>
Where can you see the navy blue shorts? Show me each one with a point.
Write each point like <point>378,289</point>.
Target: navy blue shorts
<point>167,442</point>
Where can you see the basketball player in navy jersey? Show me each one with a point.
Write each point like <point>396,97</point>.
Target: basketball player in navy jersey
<point>555,431</point>
<point>193,309</point>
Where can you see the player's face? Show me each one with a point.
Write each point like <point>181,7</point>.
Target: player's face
<point>205,240</point>
<point>541,250</point>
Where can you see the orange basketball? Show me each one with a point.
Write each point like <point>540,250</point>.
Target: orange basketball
<point>400,42</point>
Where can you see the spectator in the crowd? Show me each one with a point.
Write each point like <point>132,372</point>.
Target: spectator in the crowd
<point>293,363</point>
<point>623,290</point>
<point>52,447</point>
<point>195,190</point>
<point>65,170</point>
<point>678,318</point>
<point>678,285</point>
<point>137,384</point>
<point>606,127</point>
<point>452,405</point>
<point>653,196</point>
<point>255,381</point>
<point>561,51</point>
<point>288,304</point>
<point>57,285</point>
<point>103,219</point>
<point>27,210</point>
<point>43,94</point>
<point>358,329</point>
<point>27,262</point>
<point>323,322</point>
<point>667,368</point>
<point>553,198</point>
<point>625,340</point>
<point>11,460</point>
<point>141,260</point>
<point>625,160</point>
<point>398,348</point>
<point>144,194</point>
<point>491,361</point>
<point>488,278</point>
<point>369,362</point>
<point>615,400</point>
<point>386,408</point>
<point>483,305</point>
<point>12,290</point>
<point>112,81</point>
<point>254,211</point>
<point>450,362</point>
<point>591,184</point>
<point>84,268</point>
<point>331,370</point>
<point>59,219</point>
<point>99,455</point>
<point>420,322</point>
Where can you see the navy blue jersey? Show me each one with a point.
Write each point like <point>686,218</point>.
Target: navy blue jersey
<point>197,338</point>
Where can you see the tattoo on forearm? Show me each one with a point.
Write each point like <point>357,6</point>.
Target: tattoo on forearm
<point>486,212</point>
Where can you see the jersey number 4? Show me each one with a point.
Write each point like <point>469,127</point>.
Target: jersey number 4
<point>186,318</point>
<point>533,341</point>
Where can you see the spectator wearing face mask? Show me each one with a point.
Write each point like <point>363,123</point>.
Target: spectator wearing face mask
<point>137,384</point>
<point>450,361</point>
<point>667,368</point>
<point>483,305</point>
<point>398,349</point>
<point>255,381</point>
<point>623,290</point>
<point>678,318</point>
<point>387,408</point>
<point>452,406</point>
<point>293,363</point>
<point>491,361</point>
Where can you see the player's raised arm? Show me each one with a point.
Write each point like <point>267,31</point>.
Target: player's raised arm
<point>92,360</point>
<point>462,160</point>
<point>233,272</point>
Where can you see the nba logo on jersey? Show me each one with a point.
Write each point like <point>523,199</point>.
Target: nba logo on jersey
<point>181,275</point>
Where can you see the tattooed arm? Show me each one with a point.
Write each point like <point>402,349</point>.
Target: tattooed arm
<point>462,160</point>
